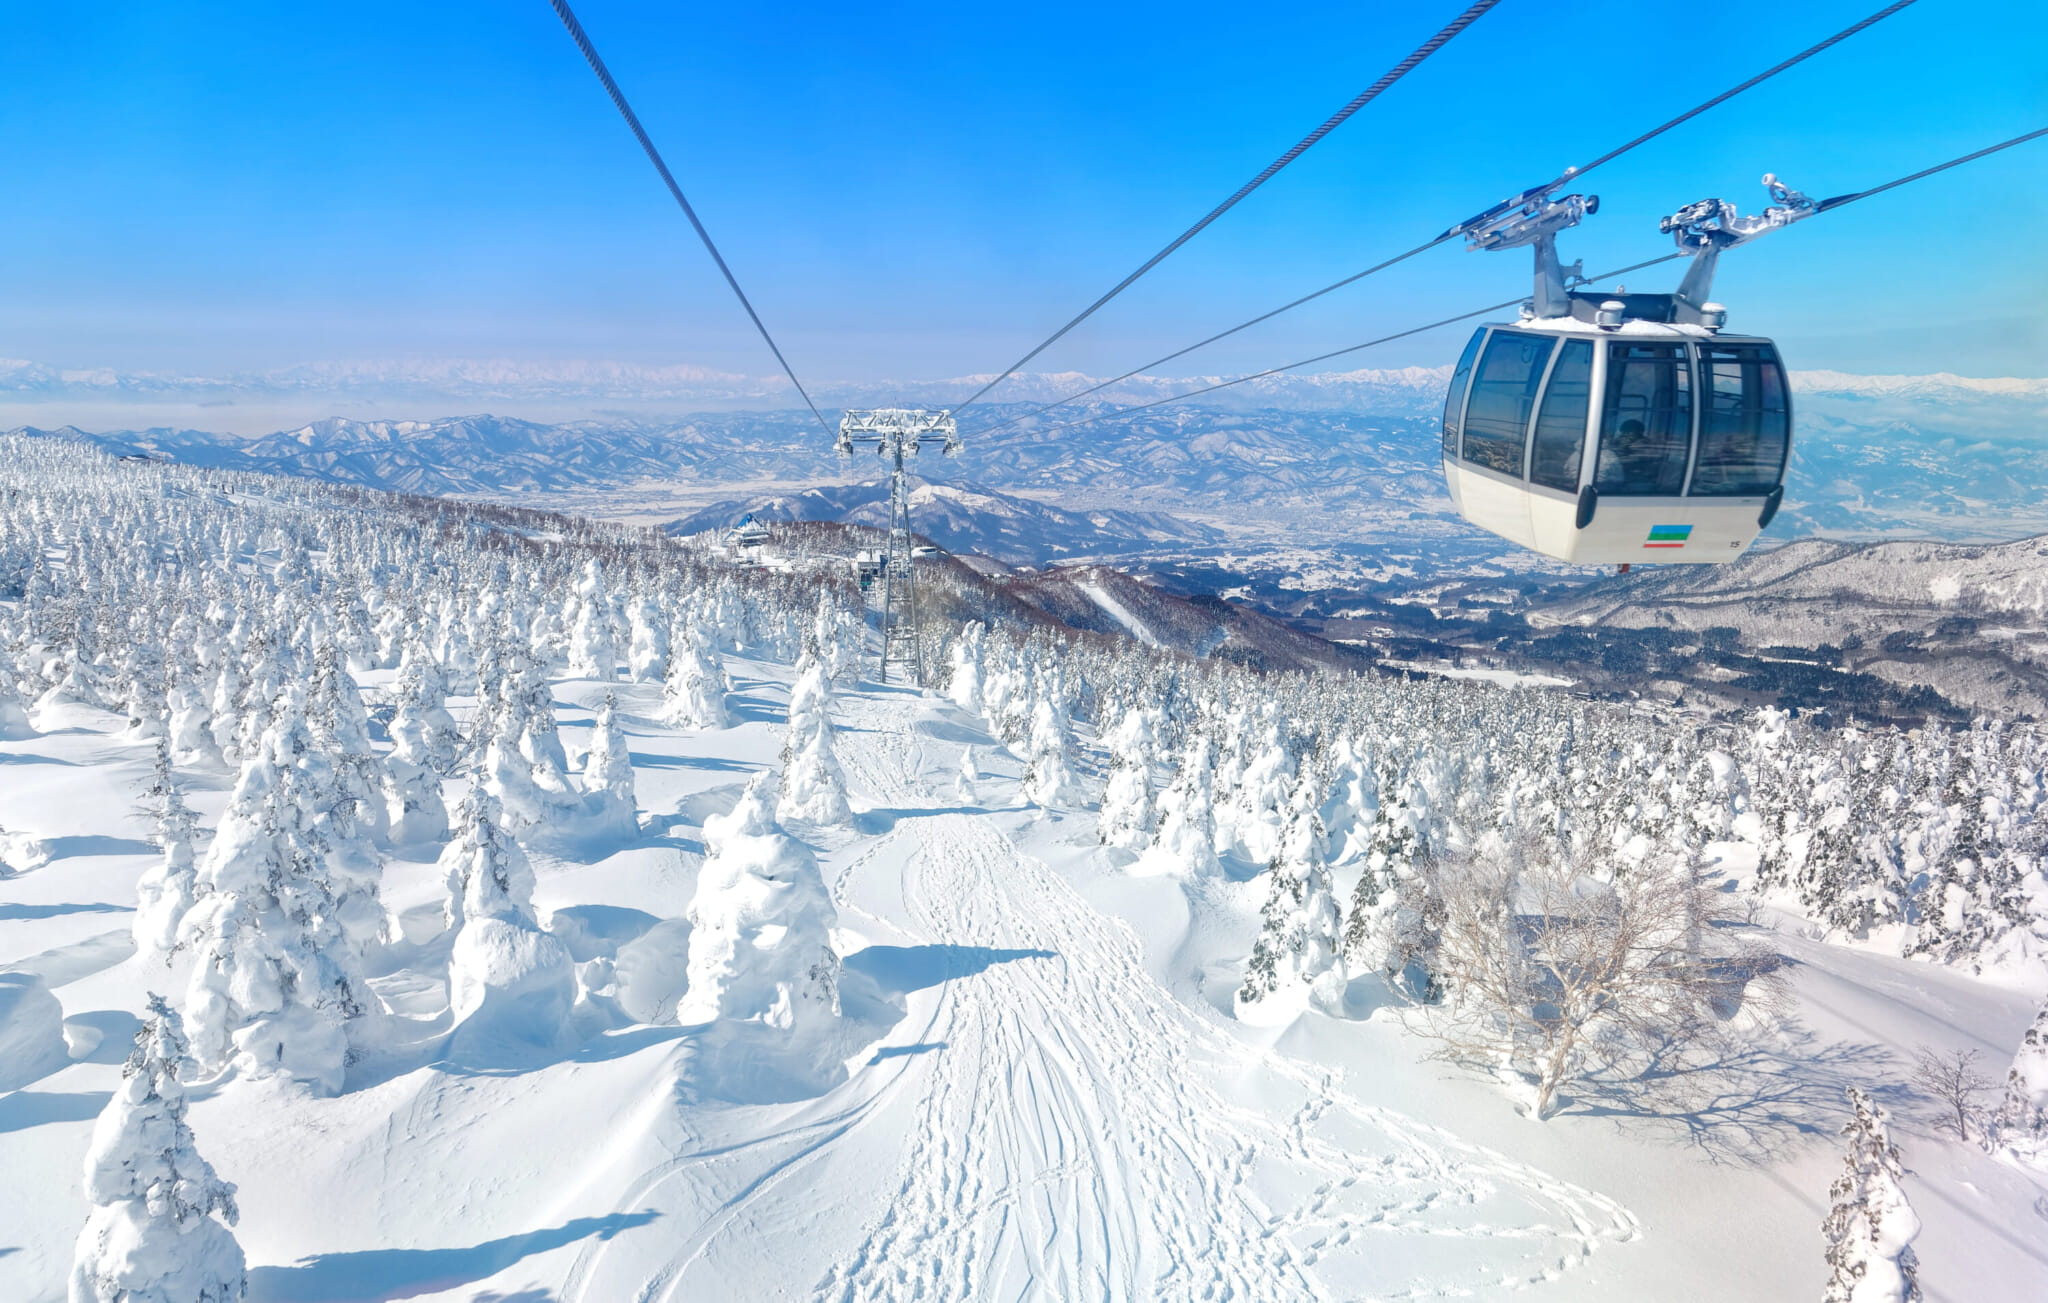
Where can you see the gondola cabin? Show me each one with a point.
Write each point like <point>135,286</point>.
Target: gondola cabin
<point>1609,437</point>
<point>1614,429</point>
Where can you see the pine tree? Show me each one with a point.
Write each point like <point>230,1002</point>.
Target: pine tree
<point>608,771</point>
<point>1129,813</point>
<point>1870,1228</point>
<point>1298,936</point>
<point>1049,776</point>
<point>152,1236</point>
<point>593,643</point>
<point>647,653</point>
<point>2020,1127</point>
<point>1391,926</point>
<point>1186,843</point>
<point>286,899</point>
<point>167,888</point>
<point>813,786</point>
<point>693,695</point>
<point>761,923</point>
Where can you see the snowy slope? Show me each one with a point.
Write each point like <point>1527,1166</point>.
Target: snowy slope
<point>1048,1104</point>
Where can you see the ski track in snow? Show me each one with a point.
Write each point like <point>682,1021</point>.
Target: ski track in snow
<point>1067,1146</point>
<point>1065,1143</point>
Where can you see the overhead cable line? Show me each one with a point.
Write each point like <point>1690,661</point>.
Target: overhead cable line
<point>1568,175</point>
<point>1823,206</point>
<point>577,34</point>
<point>1335,120</point>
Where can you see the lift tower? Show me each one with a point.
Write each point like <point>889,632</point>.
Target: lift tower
<point>895,431</point>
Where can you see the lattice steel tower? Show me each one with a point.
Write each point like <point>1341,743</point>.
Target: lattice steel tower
<point>895,431</point>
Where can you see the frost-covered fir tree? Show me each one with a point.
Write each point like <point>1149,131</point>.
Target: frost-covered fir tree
<point>967,786</point>
<point>2020,1127</point>
<point>761,923</point>
<point>1870,1227</point>
<point>1186,842</point>
<point>341,729</point>
<point>965,655</point>
<point>502,766</point>
<point>1352,801</point>
<point>593,642</point>
<point>14,717</point>
<point>286,899</point>
<point>1390,928</point>
<point>152,1236</point>
<point>813,786</point>
<point>1129,814</point>
<point>1260,797</point>
<point>1049,775</point>
<point>411,787</point>
<point>165,891</point>
<point>647,653</point>
<point>1298,935</point>
<point>608,772</point>
<point>503,964</point>
<point>190,720</point>
<point>693,695</point>
<point>531,704</point>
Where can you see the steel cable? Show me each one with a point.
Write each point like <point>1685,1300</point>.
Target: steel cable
<point>577,34</point>
<point>1569,174</point>
<point>1823,206</point>
<point>1335,120</point>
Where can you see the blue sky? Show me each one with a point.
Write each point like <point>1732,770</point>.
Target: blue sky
<point>922,190</point>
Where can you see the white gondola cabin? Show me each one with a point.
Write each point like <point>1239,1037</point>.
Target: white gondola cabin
<point>1618,429</point>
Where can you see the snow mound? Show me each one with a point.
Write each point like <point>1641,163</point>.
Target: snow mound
<point>510,979</point>
<point>31,1031</point>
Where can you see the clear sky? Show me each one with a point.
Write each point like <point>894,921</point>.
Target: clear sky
<point>919,190</point>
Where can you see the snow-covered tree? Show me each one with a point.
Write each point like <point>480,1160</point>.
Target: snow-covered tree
<point>166,889</point>
<point>813,786</point>
<point>503,964</point>
<point>693,695</point>
<point>1392,927</point>
<point>965,656</point>
<point>761,922</point>
<point>593,642</point>
<point>968,785</point>
<point>1870,1227</point>
<point>608,771</point>
<point>1129,810</point>
<point>1259,800</point>
<point>2020,1127</point>
<point>1049,774</point>
<point>190,721</point>
<point>1186,842</point>
<point>647,653</point>
<point>1353,800</point>
<point>1298,935</point>
<point>411,787</point>
<point>152,1236</point>
<point>286,899</point>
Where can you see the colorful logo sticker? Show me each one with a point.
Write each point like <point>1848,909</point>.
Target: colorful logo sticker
<point>1668,535</point>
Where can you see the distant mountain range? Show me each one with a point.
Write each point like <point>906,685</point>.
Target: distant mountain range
<point>1331,460</point>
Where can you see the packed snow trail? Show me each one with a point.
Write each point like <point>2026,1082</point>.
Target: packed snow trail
<point>1067,1144</point>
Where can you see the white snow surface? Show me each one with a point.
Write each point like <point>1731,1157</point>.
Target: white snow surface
<point>1042,1094</point>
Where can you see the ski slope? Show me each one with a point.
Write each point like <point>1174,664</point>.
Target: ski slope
<point>1032,1097</point>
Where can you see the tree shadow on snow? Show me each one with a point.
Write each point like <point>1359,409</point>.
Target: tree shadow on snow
<point>14,913</point>
<point>899,970</point>
<point>64,848</point>
<point>23,1109</point>
<point>649,760</point>
<point>375,1275</point>
<point>1744,1103</point>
